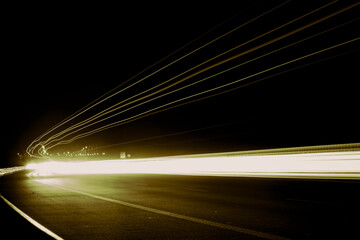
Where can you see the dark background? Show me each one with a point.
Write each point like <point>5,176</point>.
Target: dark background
<point>61,57</point>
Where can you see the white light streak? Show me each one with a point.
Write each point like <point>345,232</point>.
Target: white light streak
<point>328,164</point>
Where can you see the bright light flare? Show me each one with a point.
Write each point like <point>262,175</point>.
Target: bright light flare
<point>329,164</point>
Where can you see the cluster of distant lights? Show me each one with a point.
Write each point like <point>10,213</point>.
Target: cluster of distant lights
<point>72,154</point>
<point>68,154</point>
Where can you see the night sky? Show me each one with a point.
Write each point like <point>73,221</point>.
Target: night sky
<point>60,58</point>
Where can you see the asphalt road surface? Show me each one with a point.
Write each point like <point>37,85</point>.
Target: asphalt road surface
<point>149,206</point>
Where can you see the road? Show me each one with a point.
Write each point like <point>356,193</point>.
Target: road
<point>155,206</point>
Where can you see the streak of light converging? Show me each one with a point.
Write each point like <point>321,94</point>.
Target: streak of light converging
<point>186,86</point>
<point>151,111</point>
<point>155,110</point>
<point>49,142</point>
<point>100,100</point>
<point>113,108</point>
<point>141,99</point>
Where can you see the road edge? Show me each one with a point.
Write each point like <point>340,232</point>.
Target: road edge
<point>32,221</point>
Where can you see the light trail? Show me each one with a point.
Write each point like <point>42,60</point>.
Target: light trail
<point>339,163</point>
<point>49,142</point>
<point>112,109</point>
<point>85,123</point>
<point>10,170</point>
<point>154,110</point>
<point>98,101</point>
<point>189,85</point>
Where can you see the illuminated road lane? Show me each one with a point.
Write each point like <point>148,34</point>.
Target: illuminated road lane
<point>107,206</point>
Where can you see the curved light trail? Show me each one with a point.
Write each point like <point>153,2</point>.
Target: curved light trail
<point>168,87</point>
<point>100,100</point>
<point>152,111</point>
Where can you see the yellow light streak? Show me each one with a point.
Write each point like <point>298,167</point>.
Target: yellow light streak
<point>191,84</point>
<point>98,101</point>
<point>114,108</point>
<point>47,142</point>
<point>156,109</point>
<point>209,67</point>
